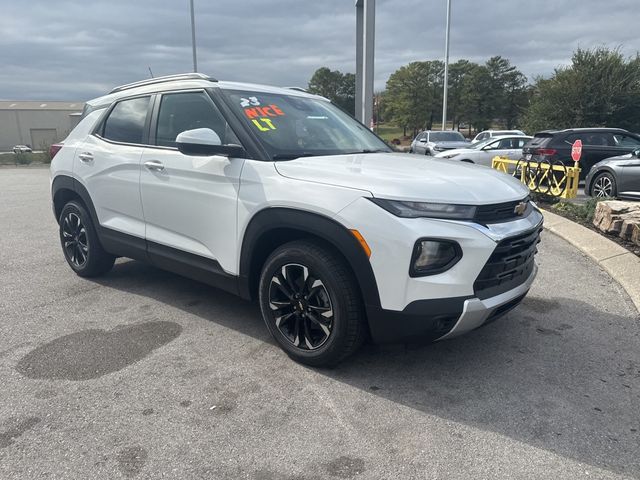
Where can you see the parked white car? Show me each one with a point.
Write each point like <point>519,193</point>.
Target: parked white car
<point>482,153</point>
<point>277,195</point>
<point>487,134</point>
<point>22,149</point>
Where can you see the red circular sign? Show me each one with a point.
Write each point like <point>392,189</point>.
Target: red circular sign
<point>576,150</point>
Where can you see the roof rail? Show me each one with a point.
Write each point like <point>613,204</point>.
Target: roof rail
<point>298,89</point>
<point>166,78</point>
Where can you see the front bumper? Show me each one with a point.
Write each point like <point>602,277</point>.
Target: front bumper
<point>439,319</point>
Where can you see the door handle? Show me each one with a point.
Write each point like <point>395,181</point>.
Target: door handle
<point>85,157</point>
<point>154,165</point>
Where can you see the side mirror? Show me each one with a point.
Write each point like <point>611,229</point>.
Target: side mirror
<point>636,153</point>
<point>205,142</point>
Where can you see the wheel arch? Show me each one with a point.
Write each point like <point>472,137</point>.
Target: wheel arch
<point>64,189</point>
<point>273,227</point>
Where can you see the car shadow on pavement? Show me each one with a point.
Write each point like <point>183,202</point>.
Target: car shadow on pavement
<point>557,374</point>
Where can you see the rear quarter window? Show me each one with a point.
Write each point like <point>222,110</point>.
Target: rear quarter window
<point>539,140</point>
<point>126,121</point>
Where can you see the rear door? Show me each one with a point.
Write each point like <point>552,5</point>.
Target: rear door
<point>189,202</point>
<point>108,165</point>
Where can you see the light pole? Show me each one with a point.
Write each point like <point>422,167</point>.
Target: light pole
<point>446,67</point>
<point>365,44</point>
<point>193,37</point>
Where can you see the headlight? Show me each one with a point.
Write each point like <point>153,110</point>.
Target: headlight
<point>433,256</point>
<point>429,210</point>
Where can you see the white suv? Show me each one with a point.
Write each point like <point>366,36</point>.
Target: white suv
<point>277,195</point>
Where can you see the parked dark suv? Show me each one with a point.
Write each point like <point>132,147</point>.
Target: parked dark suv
<point>597,144</point>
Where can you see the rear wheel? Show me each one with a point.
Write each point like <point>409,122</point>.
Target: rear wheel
<point>604,185</point>
<point>311,303</point>
<point>80,243</point>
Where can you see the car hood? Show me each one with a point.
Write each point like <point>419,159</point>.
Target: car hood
<point>400,176</point>
<point>627,156</point>
<point>456,144</point>
<point>457,151</point>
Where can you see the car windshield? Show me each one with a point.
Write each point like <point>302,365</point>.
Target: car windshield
<point>292,126</point>
<point>483,143</point>
<point>446,137</point>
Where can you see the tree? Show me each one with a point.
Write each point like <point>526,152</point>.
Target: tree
<point>338,87</point>
<point>600,88</point>
<point>457,73</point>
<point>478,106</point>
<point>414,94</point>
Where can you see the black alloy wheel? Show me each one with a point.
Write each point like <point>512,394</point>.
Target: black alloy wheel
<point>311,303</point>
<point>80,243</point>
<point>301,306</point>
<point>75,240</point>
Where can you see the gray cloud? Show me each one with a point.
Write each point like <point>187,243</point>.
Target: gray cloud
<point>78,50</point>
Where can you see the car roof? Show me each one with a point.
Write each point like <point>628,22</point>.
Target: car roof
<point>499,137</point>
<point>184,82</point>
<point>440,131</point>
<point>584,130</point>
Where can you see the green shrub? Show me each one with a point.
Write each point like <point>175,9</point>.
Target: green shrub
<point>581,212</point>
<point>23,158</point>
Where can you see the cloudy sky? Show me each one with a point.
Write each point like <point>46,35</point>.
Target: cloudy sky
<point>75,50</point>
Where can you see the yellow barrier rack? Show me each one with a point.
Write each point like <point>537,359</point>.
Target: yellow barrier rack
<point>550,178</point>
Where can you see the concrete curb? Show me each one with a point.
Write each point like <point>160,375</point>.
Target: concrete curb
<point>617,261</point>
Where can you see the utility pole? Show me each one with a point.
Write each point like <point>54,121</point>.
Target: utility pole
<point>193,37</point>
<point>365,49</point>
<point>446,67</point>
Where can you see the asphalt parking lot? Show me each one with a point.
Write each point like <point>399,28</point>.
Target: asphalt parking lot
<point>143,374</point>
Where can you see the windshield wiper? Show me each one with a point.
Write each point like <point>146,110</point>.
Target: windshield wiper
<point>291,156</point>
<point>379,150</point>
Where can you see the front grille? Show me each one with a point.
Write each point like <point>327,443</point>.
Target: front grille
<point>500,212</point>
<point>509,265</point>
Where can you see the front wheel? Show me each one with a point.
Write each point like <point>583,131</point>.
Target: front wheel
<point>311,303</point>
<point>604,185</point>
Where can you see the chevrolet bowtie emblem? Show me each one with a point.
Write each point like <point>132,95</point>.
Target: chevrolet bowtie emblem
<point>520,208</point>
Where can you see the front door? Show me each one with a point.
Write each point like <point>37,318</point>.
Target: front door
<point>190,202</point>
<point>630,178</point>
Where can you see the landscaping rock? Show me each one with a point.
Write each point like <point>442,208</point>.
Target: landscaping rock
<point>619,218</point>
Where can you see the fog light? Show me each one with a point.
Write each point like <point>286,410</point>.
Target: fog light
<point>432,256</point>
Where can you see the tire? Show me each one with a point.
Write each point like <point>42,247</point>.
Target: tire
<point>80,243</point>
<point>311,304</point>
<point>604,185</point>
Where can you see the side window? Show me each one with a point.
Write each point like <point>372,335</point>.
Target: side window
<point>597,139</point>
<point>492,145</point>
<point>505,144</point>
<point>187,111</point>
<point>521,142</point>
<point>126,121</point>
<point>575,136</point>
<point>622,140</point>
